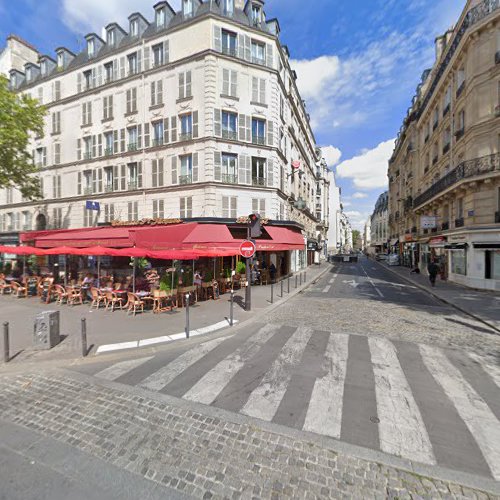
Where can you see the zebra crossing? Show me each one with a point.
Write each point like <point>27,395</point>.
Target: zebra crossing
<point>413,401</point>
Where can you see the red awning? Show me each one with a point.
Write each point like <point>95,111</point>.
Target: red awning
<point>284,238</point>
<point>117,237</point>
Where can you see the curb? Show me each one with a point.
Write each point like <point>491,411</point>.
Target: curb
<point>446,301</point>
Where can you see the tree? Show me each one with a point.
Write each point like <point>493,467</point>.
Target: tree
<point>20,117</point>
<point>356,238</point>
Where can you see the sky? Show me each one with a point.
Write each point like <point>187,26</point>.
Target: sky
<point>358,65</point>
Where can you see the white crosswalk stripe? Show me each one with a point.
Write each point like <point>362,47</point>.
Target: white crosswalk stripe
<point>158,380</point>
<point>265,399</point>
<point>482,423</point>
<point>118,369</point>
<point>211,384</point>
<point>492,370</point>
<point>324,414</point>
<point>402,430</point>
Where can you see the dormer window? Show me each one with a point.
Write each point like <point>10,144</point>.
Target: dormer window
<point>60,60</point>
<point>134,27</point>
<point>228,7</point>
<point>28,74</point>
<point>111,38</point>
<point>256,14</point>
<point>43,68</point>
<point>90,48</point>
<point>187,8</point>
<point>160,18</point>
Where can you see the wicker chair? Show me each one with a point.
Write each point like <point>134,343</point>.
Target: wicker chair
<point>61,294</point>
<point>112,299</point>
<point>75,296</point>
<point>98,298</point>
<point>18,290</point>
<point>4,287</point>
<point>134,303</point>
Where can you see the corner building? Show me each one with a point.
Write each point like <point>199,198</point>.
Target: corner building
<point>444,174</point>
<point>195,115</point>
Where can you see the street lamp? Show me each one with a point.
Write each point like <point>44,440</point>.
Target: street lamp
<point>300,204</point>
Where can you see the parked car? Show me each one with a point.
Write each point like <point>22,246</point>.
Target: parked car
<point>381,256</point>
<point>393,259</point>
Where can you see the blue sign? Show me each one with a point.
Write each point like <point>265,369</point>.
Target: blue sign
<point>93,205</point>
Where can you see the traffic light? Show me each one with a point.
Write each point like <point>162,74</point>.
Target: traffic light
<point>255,226</point>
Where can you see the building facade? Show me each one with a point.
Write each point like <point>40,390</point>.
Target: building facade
<point>379,225</point>
<point>444,174</point>
<point>16,54</point>
<point>193,115</point>
<point>367,236</point>
<point>335,225</point>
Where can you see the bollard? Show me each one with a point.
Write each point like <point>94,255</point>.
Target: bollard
<point>296,277</point>
<point>231,309</point>
<point>84,337</point>
<point>6,353</point>
<point>305,276</point>
<point>272,292</point>
<point>288,284</point>
<point>281,288</point>
<point>187,315</point>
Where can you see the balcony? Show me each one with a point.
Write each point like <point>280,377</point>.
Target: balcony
<point>229,51</point>
<point>87,155</point>
<point>108,151</point>
<point>258,60</point>
<point>445,226</point>
<point>446,148</point>
<point>186,136</point>
<point>497,217</point>
<point>434,160</point>
<point>259,181</point>
<point>108,188</point>
<point>157,142</point>
<point>27,227</point>
<point>258,139</point>
<point>460,89</point>
<point>230,135</point>
<point>466,170</point>
<point>186,179</point>
<point>446,110</point>
<point>459,133</point>
<point>229,179</point>
<point>132,146</point>
<point>459,222</point>
<point>88,190</point>
<point>132,185</point>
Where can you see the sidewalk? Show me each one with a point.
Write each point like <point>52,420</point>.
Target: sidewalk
<point>106,328</point>
<point>483,306</point>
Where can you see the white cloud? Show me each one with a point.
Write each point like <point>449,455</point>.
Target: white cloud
<point>368,170</point>
<point>357,219</point>
<point>359,196</point>
<point>331,154</point>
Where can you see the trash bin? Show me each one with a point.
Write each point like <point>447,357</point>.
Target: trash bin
<point>46,334</point>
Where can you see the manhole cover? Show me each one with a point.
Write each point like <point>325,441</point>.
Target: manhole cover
<point>375,420</point>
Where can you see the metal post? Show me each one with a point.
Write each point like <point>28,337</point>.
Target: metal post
<point>84,337</point>
<point>6,354</point>
<point>272,292</point>
<point>231,313</point>
<point>281,288</point>
<point>296,277</point>
<point>248,290</point>
<point>301,278</point>
<point>187,315</point>
<point>288,284</point>
<point>305,276</point>
<point>133,276</point>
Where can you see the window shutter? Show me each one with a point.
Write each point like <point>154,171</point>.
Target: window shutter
<point>110,106</point>
<point>57,85</point>
<point>58,154</point>
<point>195,167</point>
<point>234,206</point>
<point>217,39</point>
<point>89,112</point>
<point>160,172</point>
<point>241,46</point>
<point>217,166</point>
<point>146,58</point>
<point>94,78</point>
<point>255,205</point>
<point>174,169</point>
<point>44,160</point>
<point>189,206</point>
<point>116,177</point>
<point>161,209</point>
<point>79,149</point>
<point>242,121</point>
<point>217,122</point>
<point>99,145</point>
<point>54,186</point>
<point>262,207</point>
<point>234,83</point>
<point>79,184</point>
<point>99,76</point>
<point>225,207</point>
<point>122,140</point>
<point>166,53</point>
<point>139,175</point>
<point>165,130</point>
<point>123,177</point>
<point>94,181</point>
<point>248,48</point>
<point>128,96</point>
<point>99,178</point>
<point>159,92</point>
<point>255,89</point>
<point>139,136</point>
<point>242,169</point>
<point>181,86</point>
<point>146,135</point>
<point>115,141</point>
<point>173,132</point>
<point>225,82</point>
<point>94,147</point>
<point>262,96</point>
<point>154,172</point>
<point>195,124</point>
<point>139,61</point>
<point>269,55</point>
<point>188,84</point>
<point>79,82</point>
<point>270,133</point>
<point>248,120</point>
<point>153,94</point>
<point>122,67</point>
<point>182,207</point>
<point>270,173</point>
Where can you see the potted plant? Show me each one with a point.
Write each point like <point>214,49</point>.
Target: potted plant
<point>241,268</point>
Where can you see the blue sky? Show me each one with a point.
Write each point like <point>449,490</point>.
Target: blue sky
<point>358,63</point>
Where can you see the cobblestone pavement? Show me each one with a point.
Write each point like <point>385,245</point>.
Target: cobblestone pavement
<point>202,453</point>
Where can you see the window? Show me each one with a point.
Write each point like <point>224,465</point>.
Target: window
<point>186,207</point>
<point>108,72</point>
<point>133,210</point>
<point>186,175</point>
<point>259,206</point>
<point>158,59</point>
<point>459,262</point>
<point>461,121</point>
<point>228,7</point>
<point>229,83</point>
<point>158,133</point>
<point>28,74</point>
<point>134,27</point>
<point>90,47</point>
<point>258,131</point>
<point>87,79</point>
<point>57,90</point>
<point>108,179</point>
<point>157,93</point>
<point>160,18</point>
<point>187,8</point>
<point>447,101</point>
<point>157,171</point>
<point>111,38</point>
<point>87,182</point>
<point>258,171</point>
<point>229,125</point>
<point>108,143</point>
<point>229,168</point>
<point>446,140</point>
<point>229,43</point>
<point>258,90</point>
<point>132,63</point>
<point>109,212</point>
<point>158,209</point>
<point>56,186</point>
<point>186,133</point>
<point>256,14</point>
<point>185,85</point>
<point>132,139</point>
<point>27,221</point>
<point>41,157</point>
<point>131,101</point>
<point>133,176</point>
<point>87,113</point>
<point>60,60</point>
<point>57,153</point>
<point>107,107</point>
<point>8,194</point>
<point>56,122</point>
<point>436,119</point>
<point>57,218</point>
<point>460,208</point>
<point>229,207</point>
<point>258,52</point>
<point>460,80</point>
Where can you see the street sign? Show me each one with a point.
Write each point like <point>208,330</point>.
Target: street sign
<point>93,205</point>
<point>428,221</point>
<point>247,249</point>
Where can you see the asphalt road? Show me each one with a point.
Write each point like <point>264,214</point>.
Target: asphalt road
<point>418,400</point>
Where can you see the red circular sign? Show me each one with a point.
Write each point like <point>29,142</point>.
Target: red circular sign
<point>248,249</point>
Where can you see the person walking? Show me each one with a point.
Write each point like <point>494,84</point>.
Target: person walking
<point>433,270</point>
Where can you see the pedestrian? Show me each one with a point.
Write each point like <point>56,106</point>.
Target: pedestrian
<point>272,272</point>
<point>433,270</point>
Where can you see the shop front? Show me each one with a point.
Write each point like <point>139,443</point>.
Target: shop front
<point>410,252</point>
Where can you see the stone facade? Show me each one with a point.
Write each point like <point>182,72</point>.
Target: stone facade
<point>16,54</point>
<point>379,225</point>
<point>444,175</point>
<point>194,115</point>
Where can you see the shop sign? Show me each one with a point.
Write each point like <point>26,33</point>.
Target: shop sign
<point>428,222</point>
<point>312,245</point>
<point>247,249</point>
<point>408,237</point>
<point>457,238</point>
<point>146,222</point>
<point>437,242</point>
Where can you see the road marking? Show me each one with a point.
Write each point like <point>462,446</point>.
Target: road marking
<point>372,283</point>
<point>353,283</point>
<point>402,430</point>
<point>327,288</point>
<point>265,399</point>
<point>213,382</point>
<point>118,369</point>
<point>492,370</point>
<point>159,379</point>
<point>482,423</point>
<point>324,415</point>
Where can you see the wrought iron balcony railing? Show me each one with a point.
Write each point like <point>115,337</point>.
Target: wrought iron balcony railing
<point>186,179</point>
<point>465,170</point>
<point>157,142</point>
<point>186,136</point>
<point>258,139</point>
<point>230,178</point>
<point>132,146</point>
<point>132,185</point>
<point>108,151</point>
<point>229,51</point>
<point>230,135</point>
<point>258,181</point>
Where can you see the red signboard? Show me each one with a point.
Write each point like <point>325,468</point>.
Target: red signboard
<point>247,249</point>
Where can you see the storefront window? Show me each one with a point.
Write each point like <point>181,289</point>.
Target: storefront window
<point>459,262</point>
<point>493,265</point>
